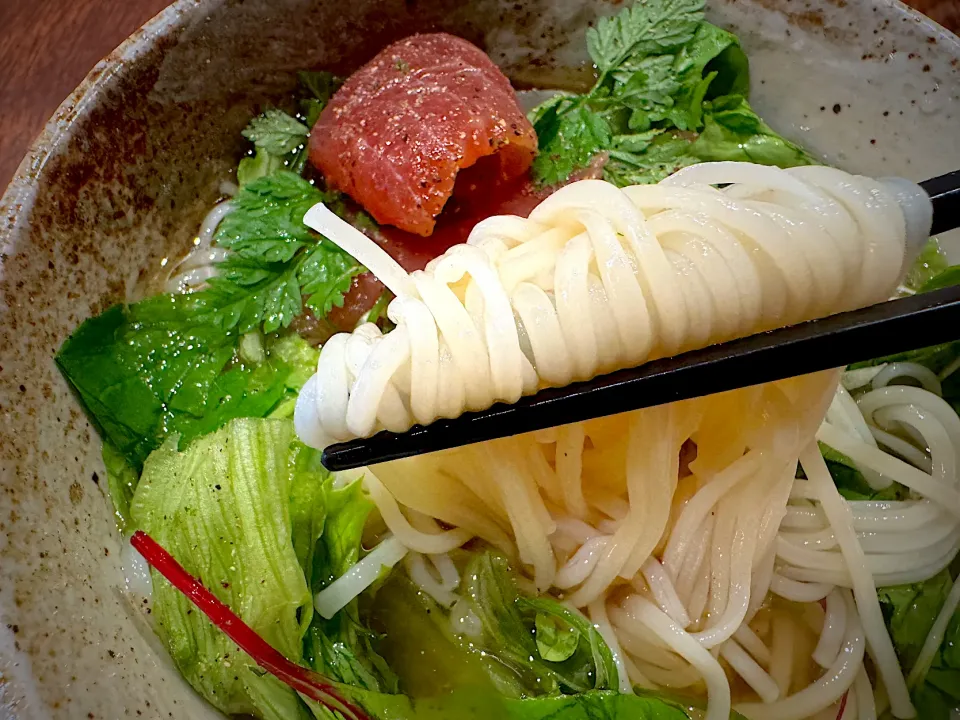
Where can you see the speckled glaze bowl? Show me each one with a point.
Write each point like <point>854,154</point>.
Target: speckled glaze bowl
<point>126,168</point>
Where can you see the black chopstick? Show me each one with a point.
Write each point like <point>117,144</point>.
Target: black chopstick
<point>944,191</point>
<point>884,329</point>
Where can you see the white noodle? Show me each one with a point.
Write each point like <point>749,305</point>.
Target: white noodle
<point>592,279</point>
<point>864,588</point>
<point>923,375</point>
<point>674,572</point>
<point>420,573</point>
<point>834,629</point>
<point>747,668</point>
<point>358,578</point>
<point>578,567</point>
<point>401,528</point>
<point>598,615</point>
<point>718,690</point>
<point>750,642</point>
<point>664,592</point>
<point>825,691</point>
<point>799,591</point>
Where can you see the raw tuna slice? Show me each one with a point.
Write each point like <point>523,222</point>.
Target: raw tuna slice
<point>401,128</point>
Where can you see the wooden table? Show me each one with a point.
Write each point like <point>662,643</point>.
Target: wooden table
<point>46,49</point>
<point>48,46</point>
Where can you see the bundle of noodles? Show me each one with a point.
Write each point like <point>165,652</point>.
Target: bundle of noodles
<point>681,530</point>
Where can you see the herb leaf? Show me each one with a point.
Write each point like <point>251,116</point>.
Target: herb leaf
<point>168,365</point>
<point>653,26</point>
<point>556,640</point>
<point>910,611</point>
<point>267,221</point>
<point>325,276</point>
<point>249,294</point>
<point>851,483</point>
<point>280,142</point>
<point>276,132</point>
<point>665,71</point>
<point>275,258</point>
<point>576,137</point>
<point>320,83</point>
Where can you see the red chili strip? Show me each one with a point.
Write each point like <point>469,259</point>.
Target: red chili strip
<point>843,705</point>
<point>304,681</point>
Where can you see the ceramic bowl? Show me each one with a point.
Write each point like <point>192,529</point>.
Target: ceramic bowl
<point>126,168</point>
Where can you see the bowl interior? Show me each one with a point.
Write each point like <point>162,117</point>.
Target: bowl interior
<point>130,163</point>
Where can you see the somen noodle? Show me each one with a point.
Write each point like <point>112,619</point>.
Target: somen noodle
<point>683,530</point>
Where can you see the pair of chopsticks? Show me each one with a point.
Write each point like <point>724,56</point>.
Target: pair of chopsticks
<point>883,329</point>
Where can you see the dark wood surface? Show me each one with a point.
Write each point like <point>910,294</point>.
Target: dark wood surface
<point>48,46</point>
<point>46,49</point>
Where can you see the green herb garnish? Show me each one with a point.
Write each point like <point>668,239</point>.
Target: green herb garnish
<point>671,92</point>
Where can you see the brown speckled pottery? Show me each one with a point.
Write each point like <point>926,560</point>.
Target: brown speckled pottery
<point>126,168</point>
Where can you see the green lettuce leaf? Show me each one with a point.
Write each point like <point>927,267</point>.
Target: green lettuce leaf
<point>223,509</point>
<point>509,622</point>
<point>308,504</point>
<point>122,479</point>
<point>910,611</point>
<point>733,131</point>
<point>343,647</point>
<point>477,705</point>
<point>168,365</point>
<point>931,264</point>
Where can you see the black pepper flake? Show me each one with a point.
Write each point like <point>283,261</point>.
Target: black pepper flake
<point>837,108</point>
<point>926,68</point>
<point>873,141</point>
<point>95,478</point>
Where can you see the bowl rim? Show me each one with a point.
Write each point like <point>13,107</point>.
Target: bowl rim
<point>19,195</point>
